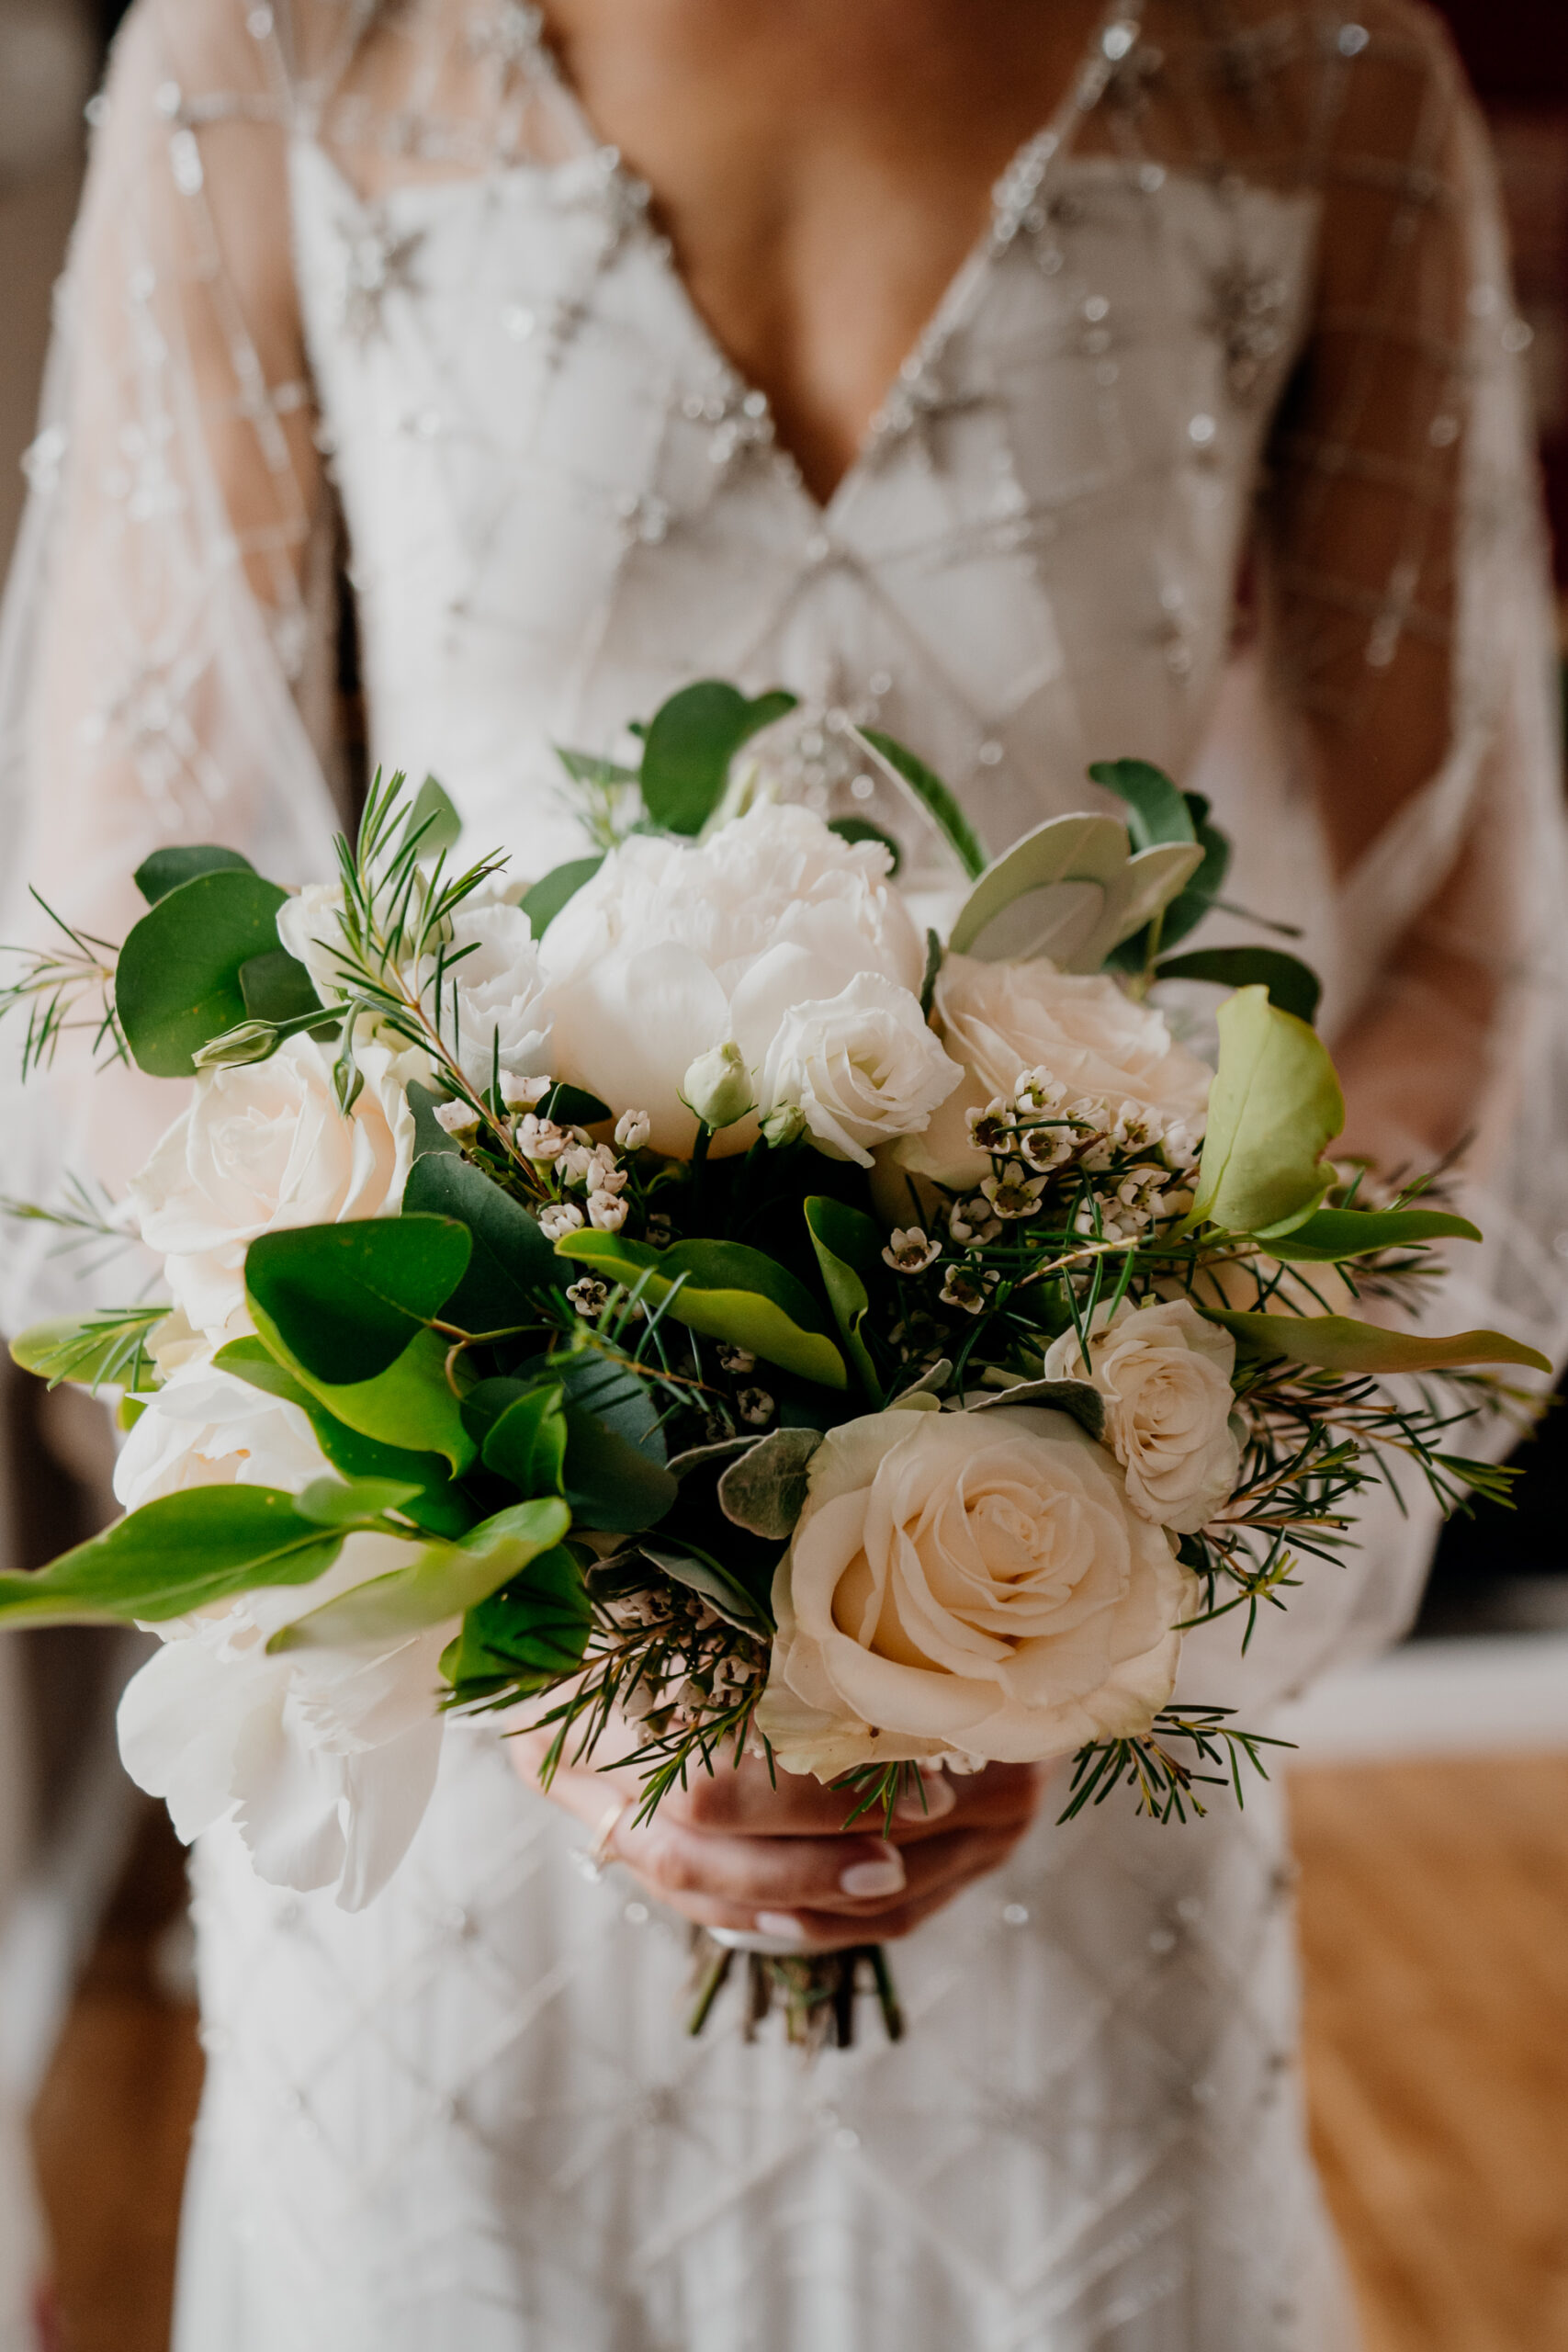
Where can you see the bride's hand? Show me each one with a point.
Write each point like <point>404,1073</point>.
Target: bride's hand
<point>734,1851</point>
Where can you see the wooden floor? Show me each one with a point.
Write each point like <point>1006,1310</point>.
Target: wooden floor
<point>1435,1928</point>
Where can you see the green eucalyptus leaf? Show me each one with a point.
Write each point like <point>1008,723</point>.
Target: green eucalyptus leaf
<point>1337,1343</point>
<point>849,1247</point>
<point>526,1441</point>
<point>178,981</point>
<point>167,868</point>
<point>346,1299</point>
<point>276,987</point>
<point>181,1553</point>
<point>765,1491</point>
<point>1157,811</point>
<point>723,1291</point>
<point>429,1135</point>
<point>1292,985</point>
<point>433,816</point>
<point>1071,891</point>
<point>445,1580</point>
<point>610,1484</point>
<point>1191,902</point>
<point>1274,1108</point>
<point>530,1634</point>
<point>1077,1398</point>
<point>436,1504</point>
<point>511,1257</point>
<point>411,1405</point>
<point>935,798</point>
<point>690,742</point>
<point>1334,1235</point>
<point>557,888</point>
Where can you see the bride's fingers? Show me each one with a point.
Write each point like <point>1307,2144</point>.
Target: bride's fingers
<point>824,1930</point>
<point>728,1882</point>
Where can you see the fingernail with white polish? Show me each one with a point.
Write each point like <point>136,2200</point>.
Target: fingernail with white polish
<point>935,1796</point>
<point>780,1924</point>
<point>868,1879</point>
<point>775,1932</point>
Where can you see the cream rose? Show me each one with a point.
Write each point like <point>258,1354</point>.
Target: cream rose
<point>967,1583</point>
<point>1165,1372</point>
<point>1001,1019</point>
<point>262,1148</point>
<point>861,1068</point>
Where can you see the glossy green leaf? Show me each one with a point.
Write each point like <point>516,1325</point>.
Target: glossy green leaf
<point>1334,1235</point>
<point>511,1259</point>
<point>443,1582</point>
<point>1336,1344</point>
<point>532,1633</point>
<point>429,1135</point>
<point>1183,914</point>
<point>572,1106</point>
<point>1292,985</point>
<point>1157,811</point>
<point>525,1442</point>
<point>934,797</point>
<point>723,1291</point>
<point>610,1483</point>
<point>1274,1107</point>
<point>182,1552</point>
<point>346,1299</point>
<point>861,828</point>
<point>350,1503</point>
<point>433,817</point>
<point>436,1504</point>
<point>849,1247</point>
<point>764,1490</point>
<point>411,1405</point>
<point>557,888</point>
<point>276,986</point>
<point>689,743</point>
<point>167,868</point>
<point>177,982</point>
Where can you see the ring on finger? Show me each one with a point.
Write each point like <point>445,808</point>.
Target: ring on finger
<point>595,1859</point>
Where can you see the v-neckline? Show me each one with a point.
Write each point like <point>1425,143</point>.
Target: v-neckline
<point>1114,35</point>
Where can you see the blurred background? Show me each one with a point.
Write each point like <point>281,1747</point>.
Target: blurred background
<point>1430,1792</point>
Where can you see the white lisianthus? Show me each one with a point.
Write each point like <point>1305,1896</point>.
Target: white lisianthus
<point>674,948</point>
<point>205,1427</point>
<point>1076,1031</point>
<point>310,926</point>
<point>1165,1372</point>
<point>967,1583</point>
<point>861,1068</point>
<point>261,1148</point>
<point>325,1759</point>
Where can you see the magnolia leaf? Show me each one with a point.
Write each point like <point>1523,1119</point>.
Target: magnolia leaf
<point>434,1504</point>
<point>182,1552</point>
<point>529,1636</point>
<point>445,1580</point>
<point>723,1291</point>
<point>1069,890</point>
<point>511,1257</point>
<point>764,1491</point>
<point>546,900</point>
<point>411,1405</point>
<point>861,828</point>
<point>178,981</point>
<point>167,868</point>
<point>897,761</point>
<point>1077,1398</point>
<point>1336,1344</point>
<point>1274,1106</point>
<point>1292,985</point>
<point>346,1299</point>
<point>848,1246</point>
<point>1336,1233</point>
<point>700,1573</point>
<point>690,742</point>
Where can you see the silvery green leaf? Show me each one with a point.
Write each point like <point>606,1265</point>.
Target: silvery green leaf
<point>764,1491</point>
<point>1085,1403</point>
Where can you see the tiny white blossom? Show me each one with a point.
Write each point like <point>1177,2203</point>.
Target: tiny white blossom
<point>523,1093</point>
<point>1180,1147</point>
<point>972,1220</point>
<point>1045,1148</point>
<point>576,1164</point>
<point>992,1129</point>
<point>755,1404</point>
<point>589,1295</point>
<point>559,1218</point>
<point>632,1130</point>
<point>606,1211</point>
<point>1014,1196</point>
<point>1037,1091</point>
<point>739,1361</point>
<point>964,1289</point>
<point>605,1174</point>
<point>458,1120</point>
<point>541,1138</point>
<point>910,1250</point>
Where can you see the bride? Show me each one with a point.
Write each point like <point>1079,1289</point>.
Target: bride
<point>1045,383</point>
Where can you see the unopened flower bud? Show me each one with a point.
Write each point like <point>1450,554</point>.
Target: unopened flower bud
<point>717,1089</point>
<point>783,1125</point>
<point>558,1219</point>
<point>252,1041</point>
<point>459,1119</point>
<point>606,1211</point>
<point>632,1130</point>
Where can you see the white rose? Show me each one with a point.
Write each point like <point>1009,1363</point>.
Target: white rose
<point>674,948</point>
<point>261,1148</point>
<point>1165,1372</point>
<point>861,1067</point>
<point>325,1759</point>
<point>500,998</point>
<point>1001,1019</point>
<point>205,1427</point>
<point>309,925</point>
<point>971,1584</point>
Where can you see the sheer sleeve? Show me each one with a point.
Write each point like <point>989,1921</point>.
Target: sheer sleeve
<point>163,661</point>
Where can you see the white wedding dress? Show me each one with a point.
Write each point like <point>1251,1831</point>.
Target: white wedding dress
<point>467,2116</point>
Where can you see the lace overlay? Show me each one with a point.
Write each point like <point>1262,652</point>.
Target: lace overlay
<point>1214,451</point>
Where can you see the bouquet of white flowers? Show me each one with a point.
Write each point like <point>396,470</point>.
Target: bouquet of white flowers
<point>680,1291</point>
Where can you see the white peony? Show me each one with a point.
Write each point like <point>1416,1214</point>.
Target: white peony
<point>972,1584</point>
<point>862,1067</point>
<point>205,1427</point>
<point>1000,1020</point>
<point>262,1148</point>
<point>674,948</point>
<point>324,1758</point>
<point>1165,1372</point>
